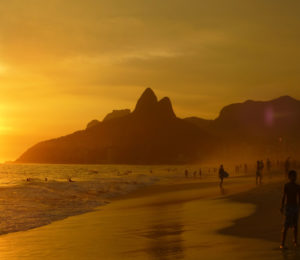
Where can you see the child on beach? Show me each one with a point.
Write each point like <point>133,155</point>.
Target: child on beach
<point>290,207</point>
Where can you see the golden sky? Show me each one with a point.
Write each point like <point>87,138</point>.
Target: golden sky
<point>66,62</point>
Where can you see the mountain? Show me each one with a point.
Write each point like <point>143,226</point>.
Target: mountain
<point>200,122</point>
<point>256,128</point>
<point>117,114</point>
<point>151,134</point>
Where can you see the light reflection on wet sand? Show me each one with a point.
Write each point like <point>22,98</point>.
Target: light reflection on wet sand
<point>145,228</point>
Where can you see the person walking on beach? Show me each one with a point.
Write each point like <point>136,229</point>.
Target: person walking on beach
<point>258,173</point>
<point>290,207</point>
<point>186,173</point>
<point>222,175</point>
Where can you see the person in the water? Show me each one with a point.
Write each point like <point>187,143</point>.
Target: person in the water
<point>290,207</point>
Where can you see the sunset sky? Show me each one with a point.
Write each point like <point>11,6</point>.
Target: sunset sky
<point>66,62</point>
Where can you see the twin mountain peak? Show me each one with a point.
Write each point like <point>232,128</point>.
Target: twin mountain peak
<point>148,106</point>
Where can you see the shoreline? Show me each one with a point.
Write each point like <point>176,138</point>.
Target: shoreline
<point>59,201</point>
<point>266,221</point>
<point>236,189</point>
<point>178,220</point>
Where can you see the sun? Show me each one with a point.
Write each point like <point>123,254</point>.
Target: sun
<point>3,68</point>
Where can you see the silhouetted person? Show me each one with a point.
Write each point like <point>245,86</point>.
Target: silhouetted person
<point>195,174</point>
<point>290,207</point>
<point>46,179</point>
<point>186,173</point>
<point>222,175</point>
<point>200,173</point>
<point>258,172</point>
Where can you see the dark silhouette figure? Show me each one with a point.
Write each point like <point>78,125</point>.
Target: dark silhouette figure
<point>290,207</point>
<point>222,175</point>
<point>46,179</point>
<point>186,173</point>
<point>258,172</point>
<point>200,173</point>
<point>195,174</point>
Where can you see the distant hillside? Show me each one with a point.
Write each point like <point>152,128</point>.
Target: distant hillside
<point>201,123</point>
<point>256,128</point>
<point>151,134</point>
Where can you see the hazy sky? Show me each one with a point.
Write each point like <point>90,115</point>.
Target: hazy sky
<point>66,62</point>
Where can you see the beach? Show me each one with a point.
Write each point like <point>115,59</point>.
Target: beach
<point>186,219</point>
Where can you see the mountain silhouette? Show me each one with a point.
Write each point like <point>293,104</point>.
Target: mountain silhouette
<point>257,128</point>
<point>151,134</point>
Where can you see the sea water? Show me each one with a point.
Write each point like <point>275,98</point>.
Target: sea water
<point>33,195</point>
<point>179,224</point>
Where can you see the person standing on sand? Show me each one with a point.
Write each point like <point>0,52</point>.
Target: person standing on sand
<point>290,207</point>
<point>222,175</point>
<point>258,173</point>
<point>186,173</point>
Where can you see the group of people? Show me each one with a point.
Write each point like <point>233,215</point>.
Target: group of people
<point>290,203</point>
<point>194,173</point>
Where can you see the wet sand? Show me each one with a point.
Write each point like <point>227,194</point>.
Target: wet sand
<point>265,222</point>
<point>166,221</point>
